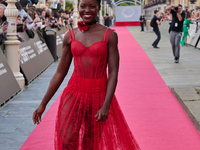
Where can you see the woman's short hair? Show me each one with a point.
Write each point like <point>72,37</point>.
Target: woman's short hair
<point>155,11</point>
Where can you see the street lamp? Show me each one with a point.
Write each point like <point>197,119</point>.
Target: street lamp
<point>75,15</point>
<point>101,15</point>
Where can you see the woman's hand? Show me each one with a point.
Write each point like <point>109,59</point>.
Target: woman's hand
<point>4,27</point>
<point>36,20</point>
<point>102,114</point>
<point>37,114</point>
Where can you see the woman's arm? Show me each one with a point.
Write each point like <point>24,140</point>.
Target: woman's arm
<point>180,18</point>
<point>113,68</point>
<point>168,8</point>
<point>57,78</point>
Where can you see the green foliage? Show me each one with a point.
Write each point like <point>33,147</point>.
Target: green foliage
<point>126,4</point>
<point>68,5</point>
<point>102,10</point>
<point>123,4</point>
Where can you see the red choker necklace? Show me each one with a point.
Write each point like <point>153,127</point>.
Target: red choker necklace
<point>85,26</point>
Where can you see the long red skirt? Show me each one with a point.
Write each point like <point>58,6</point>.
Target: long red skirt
<point>76,126</point>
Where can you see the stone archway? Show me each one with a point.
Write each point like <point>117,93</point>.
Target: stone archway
<point>136,2</point>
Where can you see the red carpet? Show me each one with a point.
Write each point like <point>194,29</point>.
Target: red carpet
<point>155,117</point>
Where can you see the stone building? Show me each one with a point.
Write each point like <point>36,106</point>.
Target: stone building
<point>185,3</point>
<point>151,5</point>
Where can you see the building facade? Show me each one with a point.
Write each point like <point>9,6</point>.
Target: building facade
<point>185,3</point>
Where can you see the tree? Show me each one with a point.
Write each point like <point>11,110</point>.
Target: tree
<point>126,4</point>
<point>68,5</point>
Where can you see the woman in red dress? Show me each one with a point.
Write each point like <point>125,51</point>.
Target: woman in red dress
<point>89,117</point>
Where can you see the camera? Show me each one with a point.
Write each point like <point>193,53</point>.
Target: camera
<point>176,8</point>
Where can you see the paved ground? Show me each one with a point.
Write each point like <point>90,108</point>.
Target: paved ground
<point>16,116</point>
<point>183,78</point>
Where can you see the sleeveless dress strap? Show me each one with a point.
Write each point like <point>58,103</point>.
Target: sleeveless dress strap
<point>71,34</point>
<point>105,34</point>
<point>108,35</point>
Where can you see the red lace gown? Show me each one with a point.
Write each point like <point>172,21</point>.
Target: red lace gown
<point>76,127</point>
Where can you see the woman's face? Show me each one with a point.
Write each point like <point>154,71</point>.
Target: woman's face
<point>88,10</point>
<point>43,13</point>
<point>18,20</point>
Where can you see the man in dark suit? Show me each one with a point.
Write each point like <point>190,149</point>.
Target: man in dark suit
<point>156,22</point>
<point>107,20</point>
<point>142,19</point>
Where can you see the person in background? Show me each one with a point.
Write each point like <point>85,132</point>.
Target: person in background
<point>58,6</point>
<point>3,22</point>
<point>53,21</point>
<point>156,22</point>
<point>22,13</point>
<point>186,26</point>
<point>62,14</point>
<point>178,17</point>
<point>197,15</point>
<point>71,17</point>
<point>42,18</point>
<point>162,16</point>
<point>107,20</point>
<point>169,18</point>
<point>36,20</point>
<point>18,21</point>
<point>97,18</point>
<point>67,20</point>
<point>142,19</point>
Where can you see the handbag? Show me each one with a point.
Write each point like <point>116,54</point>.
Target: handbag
<point>30,33</point>
<point>20,28</point>
<point>2,38</point>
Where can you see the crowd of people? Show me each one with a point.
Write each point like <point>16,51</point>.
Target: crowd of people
<point>31,18</point>
<point>179,24</point>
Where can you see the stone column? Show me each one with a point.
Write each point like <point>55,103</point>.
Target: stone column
<point>12,44</point>
<point>44,3</point>
<point>100,15</point>
<point>64,5</point>
<point>107,9</point>
<point>183,4</point>
<point>75,15</point>
<point>104,8</point>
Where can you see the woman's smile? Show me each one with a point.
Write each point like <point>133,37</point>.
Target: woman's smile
<point>87,16</point>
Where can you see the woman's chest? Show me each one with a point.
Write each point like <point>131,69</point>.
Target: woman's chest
<point>97,49</point>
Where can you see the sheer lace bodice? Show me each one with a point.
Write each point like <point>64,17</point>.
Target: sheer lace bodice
<point>90,62</point>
